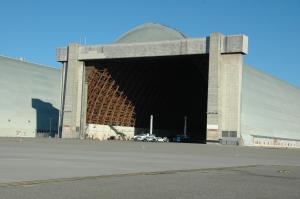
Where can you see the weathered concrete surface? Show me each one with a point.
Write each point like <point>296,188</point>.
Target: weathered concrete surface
<point>192,46</point>
<point>227,183</point>
<point>38,168</point>
<point>230,95</point>
<point>213,95</point>
<point>72,94</point>
<point>36,159</point>
<point>224,89</point>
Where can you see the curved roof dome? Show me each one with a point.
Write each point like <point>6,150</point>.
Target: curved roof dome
<point>150,32</point>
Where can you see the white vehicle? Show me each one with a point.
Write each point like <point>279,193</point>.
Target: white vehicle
<point>151,138</point>
<point>164,139</point>
<point>140,137</point>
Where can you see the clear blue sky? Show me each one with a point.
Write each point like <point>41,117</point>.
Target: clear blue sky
<point>34,28</point>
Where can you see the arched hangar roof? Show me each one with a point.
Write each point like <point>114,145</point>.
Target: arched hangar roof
<point>150,32</point>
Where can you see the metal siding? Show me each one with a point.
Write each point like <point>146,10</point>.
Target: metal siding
<point>270,107</point>
<point>22,84</point>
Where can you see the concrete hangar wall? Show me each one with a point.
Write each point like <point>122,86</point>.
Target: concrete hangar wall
<point>30,98</point>
<point>203,78</point>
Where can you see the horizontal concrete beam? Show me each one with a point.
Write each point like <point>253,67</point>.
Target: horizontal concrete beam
<point>148,49</point>
<point>230,44</point>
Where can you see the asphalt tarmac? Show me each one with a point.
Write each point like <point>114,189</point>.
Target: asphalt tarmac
<point>57,168</point>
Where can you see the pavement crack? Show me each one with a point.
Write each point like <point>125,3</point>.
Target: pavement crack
<point>169,172</point>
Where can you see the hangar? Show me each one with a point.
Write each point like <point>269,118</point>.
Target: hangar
<point>155,70</point>
<point>151,70</point>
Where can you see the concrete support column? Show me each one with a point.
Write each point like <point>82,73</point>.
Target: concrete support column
<point>230,96</point>
<point>224,87</point>
<point>74,83</point>
<point>62,99</point>
<point>213,127</point>
<point>84,110</point>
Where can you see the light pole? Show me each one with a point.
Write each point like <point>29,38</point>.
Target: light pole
<point>151,124</point>
<point>50,120</point>
<point>185,126</point>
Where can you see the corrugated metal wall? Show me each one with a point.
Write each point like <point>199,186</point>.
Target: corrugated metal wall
<point>30,98</point>
<point>270,109</point>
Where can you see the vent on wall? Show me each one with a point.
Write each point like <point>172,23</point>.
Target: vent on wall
<point>229,138</point>
<point>229,134</point>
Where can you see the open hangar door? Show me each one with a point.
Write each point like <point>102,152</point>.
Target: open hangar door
<point>125,92</point>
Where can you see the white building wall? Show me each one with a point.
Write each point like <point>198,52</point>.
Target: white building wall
<point>270,110</point>
<point>30,98</point>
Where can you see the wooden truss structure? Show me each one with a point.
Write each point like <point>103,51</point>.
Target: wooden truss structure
<point>107,104</point>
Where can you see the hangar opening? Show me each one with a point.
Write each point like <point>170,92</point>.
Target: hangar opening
<point>152,69</point>
<point>125,92</point>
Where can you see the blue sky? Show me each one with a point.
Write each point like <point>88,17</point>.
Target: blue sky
<point>33,28</point>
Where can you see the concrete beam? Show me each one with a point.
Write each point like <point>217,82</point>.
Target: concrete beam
<point>153,49</point>
<point>228,44</point>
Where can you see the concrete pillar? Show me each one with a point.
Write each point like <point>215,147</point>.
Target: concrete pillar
<point>84,110</point>
<point>62,99</point>
<point>224,88</point>
<point>74,83</point>
<point>213,127</point>
<point>230,95</point>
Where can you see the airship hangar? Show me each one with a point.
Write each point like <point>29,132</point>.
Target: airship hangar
<point>156,70</point>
